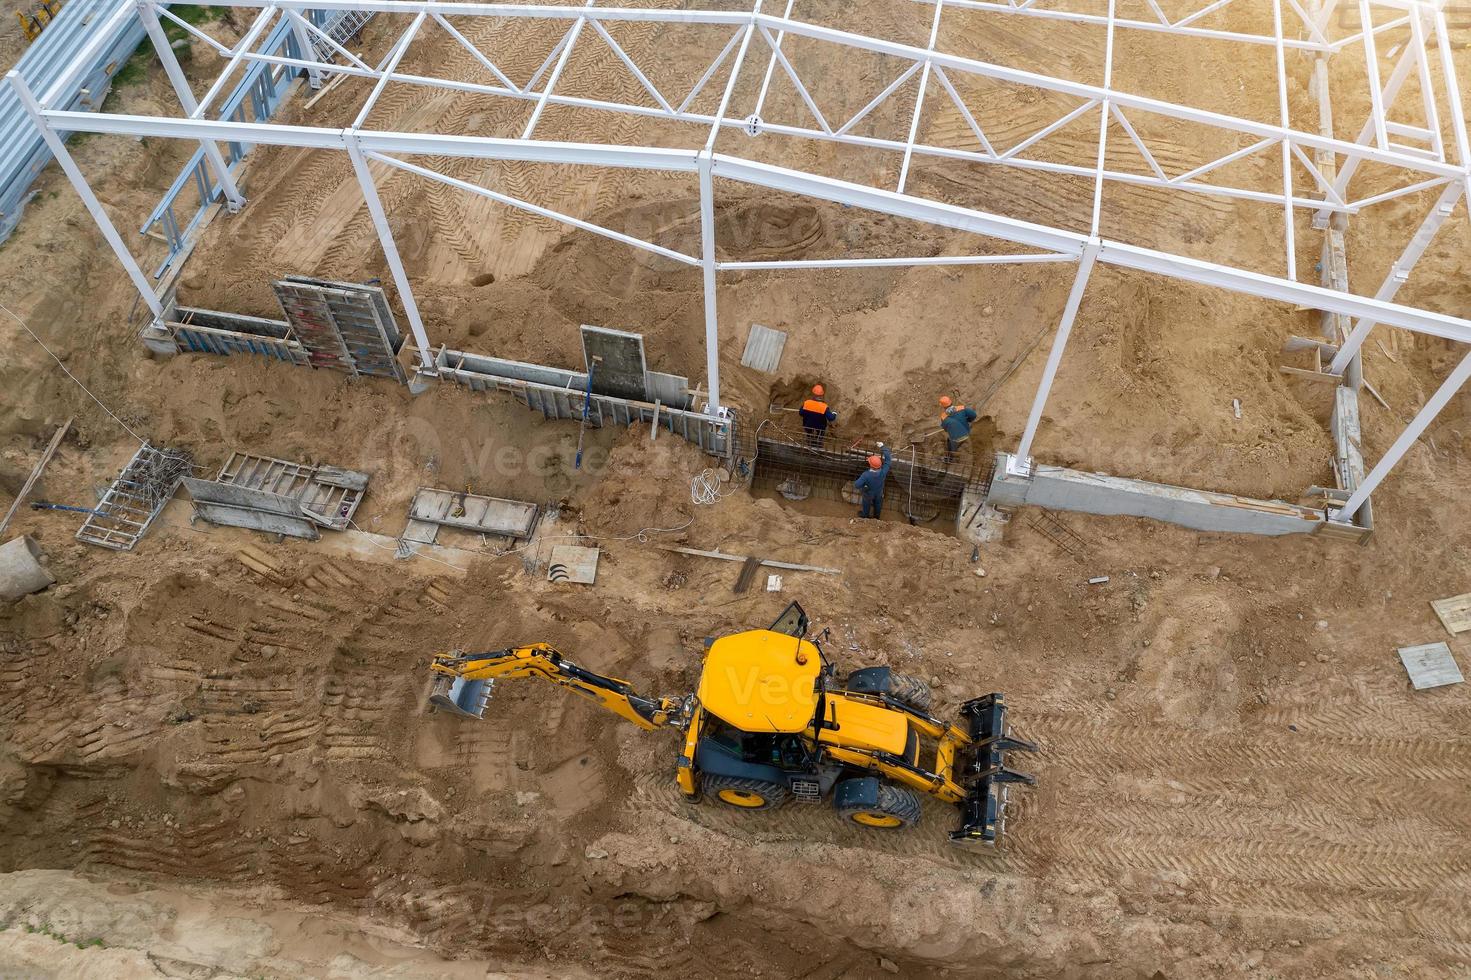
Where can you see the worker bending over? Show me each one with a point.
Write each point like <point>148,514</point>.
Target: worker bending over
<point>956,420</point>
<point>815,417</point>
<point>871,483</point>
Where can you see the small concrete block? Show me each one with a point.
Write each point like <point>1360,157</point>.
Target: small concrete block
<point>773,583</point>
<point>764,348</point>
<point>1430,665</point>
<point>570,563</point>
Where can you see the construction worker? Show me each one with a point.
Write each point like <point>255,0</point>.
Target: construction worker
<point>956,421</point>
<point>871,483</point>
<point>815,417</point>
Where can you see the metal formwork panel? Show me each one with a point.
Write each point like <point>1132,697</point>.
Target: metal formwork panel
<point>343,327</point>
<point>327,495</point>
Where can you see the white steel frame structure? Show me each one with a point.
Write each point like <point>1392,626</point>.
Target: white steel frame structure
<point>758,38</point>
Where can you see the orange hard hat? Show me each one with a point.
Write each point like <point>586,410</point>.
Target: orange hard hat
<point>817,390</point>
<point>876,462</point>
<point>944,401</point>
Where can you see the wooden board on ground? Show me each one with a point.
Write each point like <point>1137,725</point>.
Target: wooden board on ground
<point>26,488</point>
<point>1430,665</point>
<point>1454,613</point>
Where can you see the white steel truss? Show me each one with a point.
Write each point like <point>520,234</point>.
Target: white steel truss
<point>1420,156</point>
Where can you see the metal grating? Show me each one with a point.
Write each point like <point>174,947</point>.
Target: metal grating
<point>128,507</point>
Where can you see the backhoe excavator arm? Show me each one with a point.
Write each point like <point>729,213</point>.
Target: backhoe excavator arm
<point>464,682</point>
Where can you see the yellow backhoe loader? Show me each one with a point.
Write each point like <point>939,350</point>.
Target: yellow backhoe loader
<point>770,723</point>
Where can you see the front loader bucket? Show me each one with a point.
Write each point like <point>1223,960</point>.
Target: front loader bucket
<point>462,697</point>
<point>981,769</point>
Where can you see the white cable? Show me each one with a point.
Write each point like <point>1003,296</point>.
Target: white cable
<point>48,350</point>
<point>705,487</point>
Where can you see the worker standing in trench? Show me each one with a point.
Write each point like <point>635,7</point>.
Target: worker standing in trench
<point>871,483</point>
<point>956,420</point>
<point>815,417</point>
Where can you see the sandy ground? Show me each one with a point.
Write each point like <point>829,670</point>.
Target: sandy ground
<point>228,733</point>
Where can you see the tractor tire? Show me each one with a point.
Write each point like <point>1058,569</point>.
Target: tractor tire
<point>742,793</point>
<point>911,691</point>
<point>907,690</point>
<point>891,808</point>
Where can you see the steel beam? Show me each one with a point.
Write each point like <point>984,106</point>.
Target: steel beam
<point>241,49</point>
<point>924,84</point>
<point>1059,344</point>
<point>148,14</point>
<point>1286,117</point>
<point>1416,428</point>
<point>390,253</point>
<point>79,183</point>
<point>567,44</point>
<point>1399,273</point>
<point>536,209</point>
<point>308,50</point>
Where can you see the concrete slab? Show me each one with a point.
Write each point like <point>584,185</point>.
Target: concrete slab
<point>572,564</point>
<point>472,512</point>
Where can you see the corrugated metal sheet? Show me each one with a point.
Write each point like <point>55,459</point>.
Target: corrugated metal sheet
<point>763,348</point>
<point>23,155</point>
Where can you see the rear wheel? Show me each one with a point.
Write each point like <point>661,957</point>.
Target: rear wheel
<point>903,688</point>
<point>911,691</point>
<point>742,793</point>
<point>889,808</point>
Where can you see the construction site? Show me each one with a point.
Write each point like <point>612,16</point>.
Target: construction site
<point>1019,447</point>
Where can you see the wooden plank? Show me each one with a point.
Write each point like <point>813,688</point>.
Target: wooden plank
<point>748,572</point>
<point>30,483</point>
<point>1454,613</point>
<point>1430,665</point>
<point>789,566</point>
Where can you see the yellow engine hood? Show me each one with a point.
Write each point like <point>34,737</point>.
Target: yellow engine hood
<point>760,681</point>
<point>865,726</point>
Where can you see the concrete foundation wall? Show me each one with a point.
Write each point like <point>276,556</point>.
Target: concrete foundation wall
<point>1059,488</point>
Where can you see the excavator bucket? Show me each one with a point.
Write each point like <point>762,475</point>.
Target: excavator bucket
<point>982,770</point>
<point>459,696</point>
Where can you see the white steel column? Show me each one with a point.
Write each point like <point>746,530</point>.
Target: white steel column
<point>1407,438</point>
<point>390,251</point>
<point>706,163</point>
<point>308,49</point>
<point>171,67</point>
<point>1399,273</point>
<point>1059,343</point>
<point>712,318</point>
<point>84,191</point>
